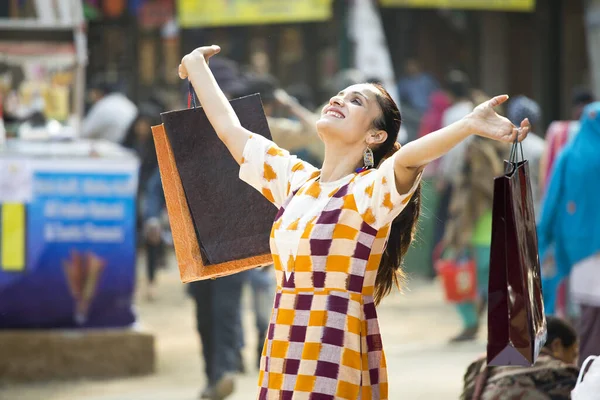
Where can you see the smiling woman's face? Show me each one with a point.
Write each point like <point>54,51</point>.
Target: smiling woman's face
<point>349,116</point>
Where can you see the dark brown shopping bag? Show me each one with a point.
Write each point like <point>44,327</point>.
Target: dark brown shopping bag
<point>516,321</point>
<point>220,225</point>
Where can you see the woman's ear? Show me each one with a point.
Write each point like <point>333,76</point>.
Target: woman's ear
<point>376,137</point>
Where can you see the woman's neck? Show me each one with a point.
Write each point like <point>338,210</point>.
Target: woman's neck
<point>339,161</point>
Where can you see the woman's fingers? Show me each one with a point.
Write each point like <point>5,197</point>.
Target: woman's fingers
<point>182,72</point>
<point>524,129</point>
<point>208,51</point>
<point>521,132</point>
<point>204,52</point>
<point>212,50</point>
<point>496,101</point>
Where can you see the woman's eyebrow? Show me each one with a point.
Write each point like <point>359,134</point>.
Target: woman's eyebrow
<point>356,92</point>
<point>360,94</point>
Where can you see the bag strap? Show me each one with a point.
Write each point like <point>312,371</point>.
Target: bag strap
<point>514,155</point>
<point>513,158</point>
<point>192,100</point>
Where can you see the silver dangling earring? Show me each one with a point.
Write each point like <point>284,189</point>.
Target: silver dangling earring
<point>368,159</point>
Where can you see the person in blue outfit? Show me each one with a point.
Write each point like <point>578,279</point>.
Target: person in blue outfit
<point>570,222</point>
<point>416,87</point>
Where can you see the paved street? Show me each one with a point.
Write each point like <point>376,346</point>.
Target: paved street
<point>415,326</point>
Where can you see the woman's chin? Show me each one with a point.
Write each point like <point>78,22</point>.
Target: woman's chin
<point>327,125</point>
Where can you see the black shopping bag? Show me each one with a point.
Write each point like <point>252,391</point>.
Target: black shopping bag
<point>516,320</point>
<point>220,224</point>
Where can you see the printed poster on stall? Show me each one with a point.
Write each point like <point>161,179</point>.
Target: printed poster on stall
<point>67,256</point>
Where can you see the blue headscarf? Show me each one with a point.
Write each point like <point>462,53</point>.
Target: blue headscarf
<point>570,218</point>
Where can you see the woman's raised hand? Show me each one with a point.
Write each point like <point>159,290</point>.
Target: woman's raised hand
<point>199,55</point>
<point>484,121</point>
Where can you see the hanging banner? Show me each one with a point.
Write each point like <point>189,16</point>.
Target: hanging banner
<point>497,5</point>
<point>211,13</point>
<point>371,52</point>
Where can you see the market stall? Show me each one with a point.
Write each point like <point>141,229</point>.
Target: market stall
<point>67,234</point>
<point>67,206</point>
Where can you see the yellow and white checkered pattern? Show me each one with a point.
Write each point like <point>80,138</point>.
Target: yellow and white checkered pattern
<point>323,341</point>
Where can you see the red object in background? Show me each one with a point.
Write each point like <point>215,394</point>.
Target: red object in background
<point>459,278</point>
<point>113,8</point>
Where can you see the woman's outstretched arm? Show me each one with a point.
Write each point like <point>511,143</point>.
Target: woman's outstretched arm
<point>483,121</point>
<point>221,115</point>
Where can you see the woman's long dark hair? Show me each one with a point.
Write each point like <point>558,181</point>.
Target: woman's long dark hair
<point>404,226</point>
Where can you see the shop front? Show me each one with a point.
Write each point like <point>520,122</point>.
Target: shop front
<point>67,205</point>
<point>300,43</point>
<point>532,47</point>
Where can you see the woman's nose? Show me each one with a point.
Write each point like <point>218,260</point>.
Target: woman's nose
<point>336,101</point>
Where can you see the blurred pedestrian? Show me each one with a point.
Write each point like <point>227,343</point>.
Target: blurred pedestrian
<point>152,228</point>
<point>559,133</point>
<point>341,233</point>
<point>458,89</point>
<point>553,376</point>
<point>262,286</point>
<point>296,134</point>
<point>414,91</point>
<point>416,87</point>
<point>139,139</point>
<point>570,223</point>
<point>260,64</point>
<point>432,120</point>
<point>110,115</point>
<point>519,108</point>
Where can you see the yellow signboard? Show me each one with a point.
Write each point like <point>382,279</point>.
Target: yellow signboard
<point>207,13</point>
<point>498,5</point>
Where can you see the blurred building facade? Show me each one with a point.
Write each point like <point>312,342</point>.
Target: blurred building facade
<point>532,47</point>
<point>541,52</point>
<point>307,46</point>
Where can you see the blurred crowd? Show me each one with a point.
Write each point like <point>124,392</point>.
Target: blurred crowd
<point>561,166</point>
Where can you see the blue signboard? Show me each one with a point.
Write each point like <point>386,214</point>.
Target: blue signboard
<point>67,256</point>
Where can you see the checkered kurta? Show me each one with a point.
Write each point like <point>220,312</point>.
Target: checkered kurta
<point>327,240</point>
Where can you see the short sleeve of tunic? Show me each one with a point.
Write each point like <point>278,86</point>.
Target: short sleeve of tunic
<point>377,198</point>
<point>273,171</point>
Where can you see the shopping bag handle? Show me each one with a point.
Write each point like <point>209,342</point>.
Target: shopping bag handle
<point>514,154</point>
<point>192,100</point>
<point>513,158</point>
